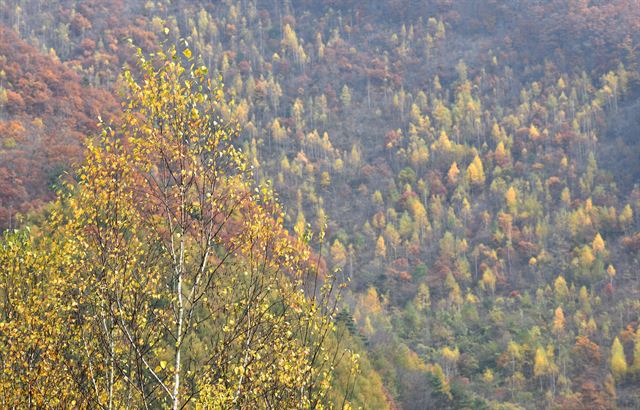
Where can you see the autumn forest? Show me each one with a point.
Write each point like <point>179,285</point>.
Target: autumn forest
<point>296,204</point>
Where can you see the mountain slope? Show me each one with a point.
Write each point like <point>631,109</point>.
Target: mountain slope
<point>476,163</point>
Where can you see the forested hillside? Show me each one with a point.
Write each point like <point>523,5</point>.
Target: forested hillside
<point>476,165</point>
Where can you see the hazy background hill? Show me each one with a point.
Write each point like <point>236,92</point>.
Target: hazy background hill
<point>477,164</point>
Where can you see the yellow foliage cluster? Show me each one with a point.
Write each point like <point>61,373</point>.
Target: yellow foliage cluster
<point>452,175</point>
<point>165,271</point>
<point>558,321</point>
<point>475,171</point>
<point>618,361</point>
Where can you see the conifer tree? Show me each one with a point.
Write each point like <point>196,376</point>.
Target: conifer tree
<point>618,360</point>
<point>558,321</point>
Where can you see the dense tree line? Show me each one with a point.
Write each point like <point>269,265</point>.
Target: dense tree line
<point>474,163</point>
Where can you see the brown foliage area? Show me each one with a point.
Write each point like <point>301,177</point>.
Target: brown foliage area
<point>47,116</point>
